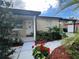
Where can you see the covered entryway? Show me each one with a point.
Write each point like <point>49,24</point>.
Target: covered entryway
<point>25,22</point>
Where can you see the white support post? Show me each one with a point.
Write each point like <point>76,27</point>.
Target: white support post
<point>35,26</point>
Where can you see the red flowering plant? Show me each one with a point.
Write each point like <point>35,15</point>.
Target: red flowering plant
<point>40,51</point>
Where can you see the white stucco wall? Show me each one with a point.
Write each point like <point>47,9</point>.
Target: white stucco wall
<point>44,23</point>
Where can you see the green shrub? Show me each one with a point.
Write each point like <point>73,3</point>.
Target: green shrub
<point>72,45</point>
<point>53,34</point>
<point>42,35</point>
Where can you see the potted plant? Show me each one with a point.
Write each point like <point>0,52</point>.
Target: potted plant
<point>40,52</point>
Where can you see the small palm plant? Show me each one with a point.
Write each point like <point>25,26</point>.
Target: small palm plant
<point>72,46</point>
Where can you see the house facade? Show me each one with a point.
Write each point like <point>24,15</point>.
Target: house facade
<point>25,22</point>
<point>42,24</point>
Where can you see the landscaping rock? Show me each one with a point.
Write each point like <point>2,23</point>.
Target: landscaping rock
<point>59,53</point>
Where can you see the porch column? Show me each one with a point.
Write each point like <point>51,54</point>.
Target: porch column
<point>59,23</point>
<point>74,24</point>
<point>35,26</point>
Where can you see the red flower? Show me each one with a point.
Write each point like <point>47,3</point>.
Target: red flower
<point>42,48</point>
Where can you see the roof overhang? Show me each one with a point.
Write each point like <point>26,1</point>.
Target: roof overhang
<point>57,18</point>
<point>22,12</point>
<point>25,12</point>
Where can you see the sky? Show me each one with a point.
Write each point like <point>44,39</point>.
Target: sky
<point>47,7</point>
<point>40,5</point>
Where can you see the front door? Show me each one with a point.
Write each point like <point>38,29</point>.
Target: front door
<point>29,27</point>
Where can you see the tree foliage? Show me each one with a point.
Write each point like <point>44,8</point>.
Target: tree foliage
<point>72,2</point>
<point>66,5</point>
<point>6,26</point>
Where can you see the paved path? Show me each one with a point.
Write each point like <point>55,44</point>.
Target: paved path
<point>26,51</point>
<point>27,39</point>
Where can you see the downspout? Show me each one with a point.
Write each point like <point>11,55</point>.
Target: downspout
<point>35,27</point>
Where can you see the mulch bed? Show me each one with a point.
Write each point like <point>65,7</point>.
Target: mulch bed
<point>59,53</point>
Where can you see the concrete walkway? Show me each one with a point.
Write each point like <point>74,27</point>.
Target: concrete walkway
<point>28,39</point>
<point>26,51</point>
